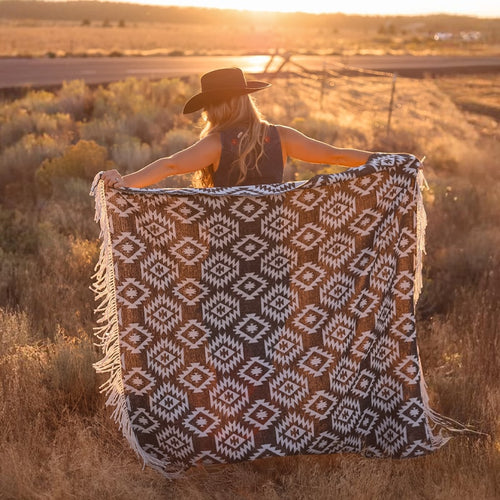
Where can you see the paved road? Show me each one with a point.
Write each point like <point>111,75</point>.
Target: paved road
<point>45,72</point>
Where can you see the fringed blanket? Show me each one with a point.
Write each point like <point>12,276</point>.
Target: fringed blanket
<point>248,322</point>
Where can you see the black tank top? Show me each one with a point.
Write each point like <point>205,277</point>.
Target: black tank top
<point>270,165</point>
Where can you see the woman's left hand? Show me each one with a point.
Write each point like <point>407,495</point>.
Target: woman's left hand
<point>112,178</point>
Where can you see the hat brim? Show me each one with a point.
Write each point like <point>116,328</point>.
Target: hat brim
<point>199,101</point>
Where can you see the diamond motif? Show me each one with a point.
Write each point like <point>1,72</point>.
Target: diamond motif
<point>346,415</point>
<point>412,412</point>
<point>385,353</point>
<point>144,422</point>
<point>344,376</point>
<point>256,371</point>
<point>123,206</point>
<point>132,293</point>
<point>224,352</point>
<point>229,397</point>
<point>155,228</point>
<point>178,444</point>
<point>307,199</point>
<point>403,286</point>
<point>363,343</point>
<point>404,328</point>
<point>279,224</point>
<point>252,327</point>
<point>202,422</point>
<point>250,247</point>
<point>261,414</point>
<point>387,233</point>
<point>365,222</point>
<point>337,290</point>
<point>220,310</point>
<point>138,381</point>
<point>288,388</point>
<point>249,209</point>
<point>234,441</point>
<point>162,314</point>
<point>310,319</point>
<point>220,269</point>
<point>165,357</point>
<point>186,210</point>
<point>308,276</point>
<point>277,262</point>
<point>294,432</point>
<point>390,194</point>
<point>315,362</point>
<point>249,286</point>
<point>158,270</point>
<point>364,185</point>
<point>193,334</point>
<point>409,370</point>
<point>127,247</point>
<point>363,383</point>
<point>326,442</point>
<point>391,435</point>
<point>190,291</point>
<point>338,210</point>
<point>221,230</point>
<point>276,303</point>
<point>320,405</point>
<point>339,332</point>
<point>367,422</point>
<point>169,402</point>
<point>196,377</point>
<point>406,243</point>
<point>364,304</point>
<point>189,251</point>
<point>362,265</point>
<point>309,236</point>
<point>337,250</point>
<point>135,338</point>
<point>284,346</point>
<point>387,393</point>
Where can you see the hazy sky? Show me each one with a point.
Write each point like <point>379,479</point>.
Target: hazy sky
<point>482,8</point>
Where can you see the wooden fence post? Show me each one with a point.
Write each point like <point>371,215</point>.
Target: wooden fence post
<point>394,77</point>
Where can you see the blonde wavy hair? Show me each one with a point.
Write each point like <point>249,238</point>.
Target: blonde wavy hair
<point>238,111</point>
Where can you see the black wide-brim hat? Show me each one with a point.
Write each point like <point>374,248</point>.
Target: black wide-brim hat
<point>220,85</point>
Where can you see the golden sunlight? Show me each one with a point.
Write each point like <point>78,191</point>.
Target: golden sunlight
<point>481,8</point>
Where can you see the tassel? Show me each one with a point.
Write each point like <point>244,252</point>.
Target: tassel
<point>108,335</point>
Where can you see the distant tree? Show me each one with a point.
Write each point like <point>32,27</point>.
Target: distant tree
<point>106,23</point>
<point>121,23</point>
<point>86,22</point>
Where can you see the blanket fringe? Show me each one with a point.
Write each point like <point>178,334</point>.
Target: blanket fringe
<point>438,424</point>
<point>421,222</point>
<point>109,338</point>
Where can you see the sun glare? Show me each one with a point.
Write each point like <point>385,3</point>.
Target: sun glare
<point>482,8</point>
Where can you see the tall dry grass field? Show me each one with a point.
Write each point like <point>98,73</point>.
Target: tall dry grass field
<point>56,437</point>
<point>259,35</point>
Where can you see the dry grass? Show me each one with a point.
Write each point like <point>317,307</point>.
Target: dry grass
<point>38,38</point>
<point>56,438</point>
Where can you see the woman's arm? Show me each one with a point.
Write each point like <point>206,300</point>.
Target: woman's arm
<point>200,155</point>
<point>299,146</point>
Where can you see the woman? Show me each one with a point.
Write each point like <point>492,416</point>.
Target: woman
<point>236,147</point>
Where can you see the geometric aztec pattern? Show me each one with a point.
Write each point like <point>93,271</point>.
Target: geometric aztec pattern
<point>271,320</point>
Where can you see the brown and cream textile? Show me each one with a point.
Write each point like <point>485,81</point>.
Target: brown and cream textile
<point>247,322</point>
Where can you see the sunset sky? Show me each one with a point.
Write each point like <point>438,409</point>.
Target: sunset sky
<point>482,8</point>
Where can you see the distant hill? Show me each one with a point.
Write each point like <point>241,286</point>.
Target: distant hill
<point>94,10</point>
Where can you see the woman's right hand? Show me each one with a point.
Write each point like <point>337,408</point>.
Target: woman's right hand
<point>112,178</point>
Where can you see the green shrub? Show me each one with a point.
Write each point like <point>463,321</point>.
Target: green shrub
<point>83,160</point>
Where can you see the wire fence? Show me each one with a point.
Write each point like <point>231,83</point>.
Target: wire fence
<point>324,80</point>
